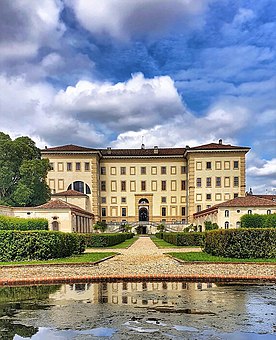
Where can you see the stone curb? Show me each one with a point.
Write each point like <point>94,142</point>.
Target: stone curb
<point>214,262</point>
<point>65,264</point>
<point>139,278</point>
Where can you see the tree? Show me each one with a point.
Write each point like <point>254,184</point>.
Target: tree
<point>210,226</point>
<point>22,172</point>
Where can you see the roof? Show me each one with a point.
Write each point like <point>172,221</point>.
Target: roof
<point>218,146</point>
<point>69,193</point>
<point>143,152</point>
<point>247,201</point>
<point>59,204</point>
<point>268,197</point>
<point>70,148</point>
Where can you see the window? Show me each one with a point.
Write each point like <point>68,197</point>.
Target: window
<point>86,166</point>
<point>226,213</point>
<point>208,165</point>
<point>164,211</point>
<point>198,182</point>
<point>80,186</point>
<point>183,185</point>
<point>236,164</point>
<point>173,170</point>
<point>113,170</point>
<point>154,185</point>
<point>60,166</point>
<point>218,165</point>
<point>227,182</point>
<point>183,211</point>
<point>249,212</point>
<point>69,166</point>
<point>173,185</point>
<point>208,206</point>
<point>268,212</point>
<point>154,170</point>
<point>163,199</point>
<point>198,208</point>
<point>236,195</point>
<point>183,170</point>
<point>208,182</point>
<point>123,199</point>
<point>238,224</point>
<point>78,166</point>
<point>113,200</point>
<point>103,170</point>
<point>236,181</point>
<point>226,225</point>
<point>143,185</point>
<point>132,170</point>
<point>218,181</point>
<point>103,200</point>
<point>103,186</point>
<point>208,196</point>
<point>123,211</point>
<point>51,166</point>
<point>163,185</point>
<point>123,170</point>
<point>143,170</point>
<point>163,170</point>
<point>198,166</point>
<point>123,185</point>
<point>104,212</point>
<point>113,185</point>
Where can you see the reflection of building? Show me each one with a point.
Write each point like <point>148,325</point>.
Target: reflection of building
<point>227,214</point>
<point>129,293</point>
<point>146,187</point>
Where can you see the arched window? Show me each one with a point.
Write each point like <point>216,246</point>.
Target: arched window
<point>143,201</point>
<point>80,186</point>
<point>226,225</point>
<point>268,212</point>
<point>55,226</point>
<point>238,224</point>
<point>249,212</point>
<point>226,214</point>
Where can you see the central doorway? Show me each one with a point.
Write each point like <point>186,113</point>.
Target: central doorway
<point>143,214</point>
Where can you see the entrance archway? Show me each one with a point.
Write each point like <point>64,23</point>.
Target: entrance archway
<point>143,214</point>
<point>55,226</point>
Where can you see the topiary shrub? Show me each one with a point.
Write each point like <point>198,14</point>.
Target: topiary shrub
<point>16,223</point>
<point>39,245</point>
<point>106,240</point>
<point>242,243</point>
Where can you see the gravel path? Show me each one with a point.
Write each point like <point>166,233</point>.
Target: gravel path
<point>142,258</point>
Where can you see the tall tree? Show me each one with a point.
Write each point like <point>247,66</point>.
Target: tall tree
<point>22,172</point>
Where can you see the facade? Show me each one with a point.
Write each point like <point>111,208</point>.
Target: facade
<point>146,187</point>
<point>227,214</point>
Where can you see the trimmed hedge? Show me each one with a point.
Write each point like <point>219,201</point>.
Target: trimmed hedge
<point>39,245</point>
<point>242,243</point>
<point>159,234</point>
<point>185,239</point>
<point>258,221</point>
<point>106,240</point>
<point>16,223</point>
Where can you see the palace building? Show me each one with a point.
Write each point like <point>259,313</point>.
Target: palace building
<point>147,186</point>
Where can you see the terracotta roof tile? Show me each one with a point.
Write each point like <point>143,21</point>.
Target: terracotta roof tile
<point>144,152</point>
<point>59,204</point>
<point>268,197</point>
<point>69,147</point>
<point>69,193</point>
<point>217,146</point>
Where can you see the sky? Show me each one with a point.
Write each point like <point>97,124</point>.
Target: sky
<point>101,73</point>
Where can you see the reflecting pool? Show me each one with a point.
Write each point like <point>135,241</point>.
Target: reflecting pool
<point>138,310</point>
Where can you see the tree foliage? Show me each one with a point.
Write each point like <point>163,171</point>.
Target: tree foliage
<point>22,172</point>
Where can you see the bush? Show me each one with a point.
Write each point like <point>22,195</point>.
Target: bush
<point>184,239</point>
<point>159,235</point>
<point>242,243</point>
<point>258,221</point>
<point>210,226</point>
<point>15,223</point>
<point>39,245</point>
<point>106,240</point>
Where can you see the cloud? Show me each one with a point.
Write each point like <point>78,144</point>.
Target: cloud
<point>123,19</point>
<point>26,26</point>
<point>267,168</point>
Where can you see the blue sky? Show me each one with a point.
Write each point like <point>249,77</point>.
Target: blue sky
<point>178,72</point>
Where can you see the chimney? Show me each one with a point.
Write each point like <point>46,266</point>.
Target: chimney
<point>143,146</point>
<point>155,149</point>
<point>46,147</point>
<point>220,141</point>
<point>109,150</point>
<point>187,147</point>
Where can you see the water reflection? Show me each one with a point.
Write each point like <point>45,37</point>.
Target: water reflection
<point>133,310</point>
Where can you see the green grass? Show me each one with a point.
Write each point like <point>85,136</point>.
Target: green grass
<point>87,257</point>
<point>160,243</point>
<point>200,256</point>
<point>125,244</point>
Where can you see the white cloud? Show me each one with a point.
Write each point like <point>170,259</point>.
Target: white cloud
<point>244,15</point>
<point>27,25</point>
<point>267,168</point>
<point>123,19</point>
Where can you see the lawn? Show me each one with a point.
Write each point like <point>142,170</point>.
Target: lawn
<point>125,244</point>
<point>160,243</point>
<point>87,257</point>
<point>200,256</point>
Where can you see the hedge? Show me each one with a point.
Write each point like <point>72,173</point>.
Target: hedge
<point>258,221</point>
<point>39,245</point>
<point>16,223</point>
<point>184,239</point>
<point>242,243</point>
<point>106,240</point>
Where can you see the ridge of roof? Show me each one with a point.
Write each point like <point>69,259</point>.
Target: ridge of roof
<point>59,204</point>
<point>68,147</point>
<point>217,146</point>
<point>69,193</point>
